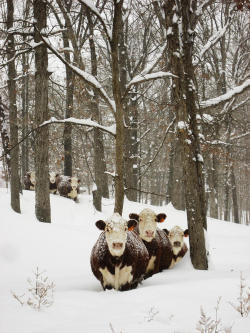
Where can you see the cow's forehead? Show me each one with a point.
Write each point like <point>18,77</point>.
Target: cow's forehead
<point>176,230</point>
<point>116,222</point>
<point>147,212</point>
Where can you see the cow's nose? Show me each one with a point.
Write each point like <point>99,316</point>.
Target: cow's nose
<point>177,244</point>
<point>117,246</point>
<point>149,233</point>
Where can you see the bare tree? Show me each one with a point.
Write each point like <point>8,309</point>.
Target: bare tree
<point>14,153</point>
<point>41,114</point>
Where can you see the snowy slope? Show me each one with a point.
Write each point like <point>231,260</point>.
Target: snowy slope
<point>168,302</point>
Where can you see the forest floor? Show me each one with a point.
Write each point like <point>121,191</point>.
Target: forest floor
<point>168,302</point>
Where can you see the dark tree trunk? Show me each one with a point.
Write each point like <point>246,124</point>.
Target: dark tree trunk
<point>234,196</point>
<point>119,147</point>
<point>101,178</point>
<point>184,97</point>
<point>4,136</point>
<point>67,134</point>
<point>41,114</point>
<point>14,153</point>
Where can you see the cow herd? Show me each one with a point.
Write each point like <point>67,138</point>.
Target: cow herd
<point>66,186</point>
<point>127,252</point>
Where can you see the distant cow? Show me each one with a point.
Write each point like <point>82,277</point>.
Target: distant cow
<point>29,181</point>
<point>155,240</point>
<point>68,187</point>
<point>176,236</point>
<point>53,182</point>
<point>119,258</point>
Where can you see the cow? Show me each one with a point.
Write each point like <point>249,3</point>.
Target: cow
<point>53,182</point>
<point>68,187</point>
<point>29,180</point>
<point>119,258</point>
<point>155,240</point>
<point>176,236</point>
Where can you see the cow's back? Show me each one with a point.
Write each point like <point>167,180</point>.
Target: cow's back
<point>166,251</point>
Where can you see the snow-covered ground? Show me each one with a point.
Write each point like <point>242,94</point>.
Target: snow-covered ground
<point>168,302</point>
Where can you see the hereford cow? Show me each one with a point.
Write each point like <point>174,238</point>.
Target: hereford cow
<point>29,181</point>
<point>53,182</point>
<point>155,240</point>
<point>119,258</point>
<point>68,187</point>
<point>176,236</point>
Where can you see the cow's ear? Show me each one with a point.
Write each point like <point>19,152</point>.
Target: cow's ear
<point>57,175</point>
<point>134,216</point>
<point>69,180</point>
<point>161,217</point>
<point>166,231</point>
<point>186,233</point>
<point>79,181</point>
<point>132,224</point>
<point>100,224</point>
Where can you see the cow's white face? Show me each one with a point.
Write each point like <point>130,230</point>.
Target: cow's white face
<point>176,236</point>
<point>116,229</point>
<point>52,177</point>
<point>148,223</point>
<point>33,177</point>
<point>74,182</point>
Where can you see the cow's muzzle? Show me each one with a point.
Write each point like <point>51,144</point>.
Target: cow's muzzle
<point>117,246</point>
<point>149,233</point>
<point>177,244</point>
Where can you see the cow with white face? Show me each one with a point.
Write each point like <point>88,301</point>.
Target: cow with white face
<point>119,258</point>
<point>68,187</point>
<point>176,236</point>
<point>155,240</point>
<point>53,182</point>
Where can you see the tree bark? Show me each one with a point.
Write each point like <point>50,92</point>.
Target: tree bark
<point>41,114</point>
<point>101,178</point>
<point>119,147</point>
<point>67,133</point>
<point>14,153</point>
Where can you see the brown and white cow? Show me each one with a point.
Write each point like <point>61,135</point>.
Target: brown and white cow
<point>155,240</point>
<point>176,236</point>
<point>119,258</point>
<point>29,180</point>
<point>53,182</point>
<point>68,187</point>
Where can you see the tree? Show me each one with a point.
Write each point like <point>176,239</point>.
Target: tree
<point>41,114</point>
<point>14,153</point>
<point>180,25</point>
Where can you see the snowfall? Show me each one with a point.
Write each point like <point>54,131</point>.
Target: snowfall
<point>168,302</point>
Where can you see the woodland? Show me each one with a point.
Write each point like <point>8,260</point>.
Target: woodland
<point>147,99</point>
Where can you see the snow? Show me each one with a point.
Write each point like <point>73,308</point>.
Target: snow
<point>168,302</point>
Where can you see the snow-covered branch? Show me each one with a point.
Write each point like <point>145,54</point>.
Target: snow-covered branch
<point>151,66</point>
<point>88,78</point>
<point>214,39</point>
<point>148,77</point>
<point>89,4</point>
<point>224,98</point>
<point>202,7</point>
<point>84,122</point>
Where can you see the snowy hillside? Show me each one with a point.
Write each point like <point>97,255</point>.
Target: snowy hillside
<point>168,302</point>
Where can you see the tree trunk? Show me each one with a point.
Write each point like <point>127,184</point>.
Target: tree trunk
<point>234,196</point>
<point>101,178</point>
<point>41,114</point>
<point>184,97</point>
<point>14,153</point>
<point>119,115</point>
<point>67,133</point>
<point>4,137</point>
